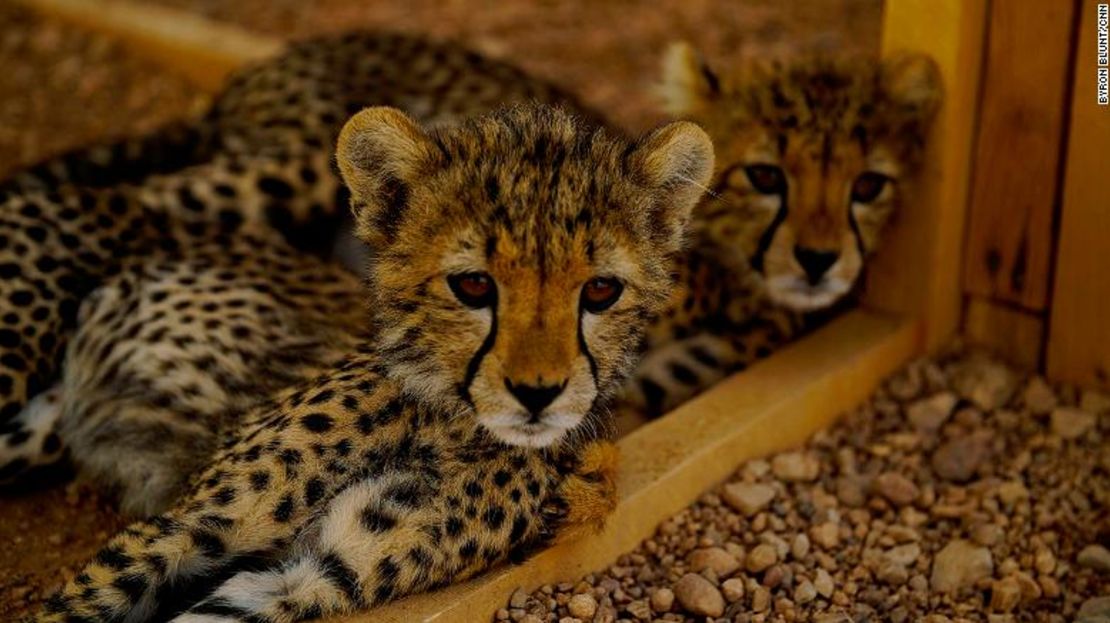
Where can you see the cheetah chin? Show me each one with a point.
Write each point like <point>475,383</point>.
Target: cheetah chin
<point>798,294</point>
<point>519,429</point>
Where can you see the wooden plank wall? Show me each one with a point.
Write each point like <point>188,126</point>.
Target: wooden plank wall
<point>917,269</point>
<point>1079,334</point>
<point>1010,238</point>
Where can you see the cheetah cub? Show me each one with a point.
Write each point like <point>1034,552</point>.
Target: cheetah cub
<point>813,157</point>
<point>519,259</point>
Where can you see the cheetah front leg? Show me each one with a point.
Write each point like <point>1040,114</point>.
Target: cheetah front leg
<point>157,567</point>
<point>388,537</point>
<point>381,539</point>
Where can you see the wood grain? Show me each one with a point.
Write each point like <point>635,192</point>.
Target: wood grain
<point>1017,156</point>
<point>1079,333</point>
<point>1013,333</point>
<point>917,270</point>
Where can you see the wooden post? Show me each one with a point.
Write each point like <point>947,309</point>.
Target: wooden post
<point>1079,334</point>
<point>917,270</point>
<point>1016,179</point>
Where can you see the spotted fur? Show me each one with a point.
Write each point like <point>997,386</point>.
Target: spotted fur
<point>259,163</point>
<point>812,157</point>
<point>410,462</point>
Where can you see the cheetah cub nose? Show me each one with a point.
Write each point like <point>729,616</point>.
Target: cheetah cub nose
<point>535,398</point>
<point>815,262</point>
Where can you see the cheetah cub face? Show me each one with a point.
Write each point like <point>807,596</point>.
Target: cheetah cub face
<point>518,258</point>
<point>811,157</point>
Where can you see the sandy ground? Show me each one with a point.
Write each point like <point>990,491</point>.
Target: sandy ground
<point>62,88</point>
<point>607,52</point>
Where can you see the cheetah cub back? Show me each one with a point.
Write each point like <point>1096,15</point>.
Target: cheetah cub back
<point>519,258</point>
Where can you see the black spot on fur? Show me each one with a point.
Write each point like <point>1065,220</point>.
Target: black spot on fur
<point>314,491</point>
<point>494,517</point>
<point>339,574</point>
<point>283,512</point>
<point>259,480</point>
<point>317,422</point>
<point>376,521</point>
<point>113,558</point>
<point>453,526</point>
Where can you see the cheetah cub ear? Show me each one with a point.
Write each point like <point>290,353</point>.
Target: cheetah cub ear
<point>381,153</point>
<point>688,85</point>
<point>676,163</point>
<point>911,83</point>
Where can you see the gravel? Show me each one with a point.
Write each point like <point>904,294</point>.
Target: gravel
<point>957,493</point>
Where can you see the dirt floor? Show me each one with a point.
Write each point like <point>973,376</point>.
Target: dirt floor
<point>961,491</point>
<point>607,52</point>
<point>63,88</point>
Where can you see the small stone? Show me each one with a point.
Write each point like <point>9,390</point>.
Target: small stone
<point>1094,402</point>
<point>800,546</point>
<point>892,574</point>
<point>1038,396</point>
<point>1094,557</point>
<point>896,488</point>
<point>826,535</point>
<point>733,590</point>
<point>774,576</point>
<point>1049,586</point>
<point>583,606</point>
<point>986,534</point>
<point>903,555</point>
<point>929,414</point>
<point>1005,595</point>
<point>1044,561</point>
<point>805,593</point>
<point>721,562</point>
<point>640,609</point>
<point>796,467</point>
<point>761,557</point>
<point>662,600</point>
<point>698,596</point>
<point>761,599</point>
<point>960,564</point>
<point>823,582</point>
<point>1094,610</point>
<point>518,599</point>
<point>531,618</point>
<point>1011,492</point>
<point>958,459</point>
<point>570,620</point>
<point>851,490</point>
<point>1030,590</point>
<point>1070,423</point>
<point>985,382</point>
<point>748,498</point>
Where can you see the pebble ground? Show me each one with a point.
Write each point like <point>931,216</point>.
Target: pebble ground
<point>961,491</point>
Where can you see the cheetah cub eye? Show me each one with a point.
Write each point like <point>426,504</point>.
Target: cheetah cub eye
<point>600,293</point>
